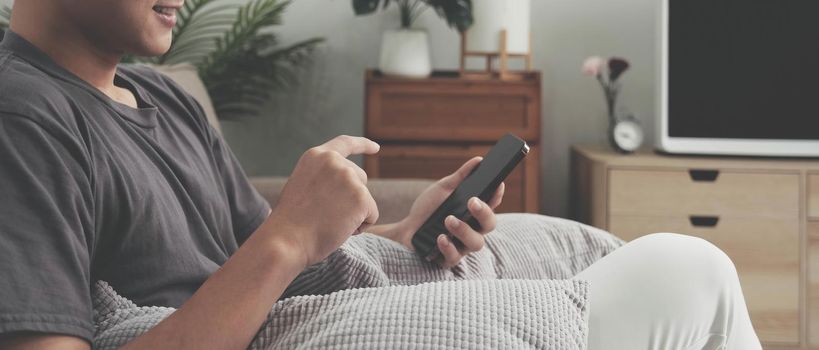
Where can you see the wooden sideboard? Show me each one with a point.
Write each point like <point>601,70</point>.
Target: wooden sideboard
<point>764,213</point>
<point>428,127</point>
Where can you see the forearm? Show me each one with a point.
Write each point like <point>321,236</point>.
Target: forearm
<point>228,309</point>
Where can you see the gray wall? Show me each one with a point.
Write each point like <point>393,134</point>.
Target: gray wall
<point>330,98</point>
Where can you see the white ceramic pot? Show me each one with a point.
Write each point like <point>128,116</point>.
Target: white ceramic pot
<point>405,53</point>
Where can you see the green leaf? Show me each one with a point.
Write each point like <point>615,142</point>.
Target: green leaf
<point>252,17</point>
<point>458,13</point>
<point>274,70</point>
<point>365,7</point>
<point>194,15</point>
<point>245,66</point>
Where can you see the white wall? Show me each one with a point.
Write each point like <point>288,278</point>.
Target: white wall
<point>330,99</point>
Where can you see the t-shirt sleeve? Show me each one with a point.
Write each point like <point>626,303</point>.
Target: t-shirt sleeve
<point>248,208</point>
<point>46,231</point>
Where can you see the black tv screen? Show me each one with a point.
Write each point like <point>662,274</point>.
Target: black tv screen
<point>743,69</point>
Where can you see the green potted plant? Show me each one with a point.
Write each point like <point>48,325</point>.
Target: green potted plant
<point>405,51</point>
<point>238,58</point>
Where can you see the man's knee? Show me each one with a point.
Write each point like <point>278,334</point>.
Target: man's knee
<point>689,254</point>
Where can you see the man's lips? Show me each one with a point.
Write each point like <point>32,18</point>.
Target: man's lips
<point>167,13</point>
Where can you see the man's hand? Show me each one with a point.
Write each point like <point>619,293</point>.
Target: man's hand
<point>426,204</point>
<point>326,198</point>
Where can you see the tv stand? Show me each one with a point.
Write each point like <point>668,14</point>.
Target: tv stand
<point>763,212</point>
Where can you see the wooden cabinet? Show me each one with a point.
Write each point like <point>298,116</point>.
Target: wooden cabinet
<point>428,127</point>
<point>759,211</point>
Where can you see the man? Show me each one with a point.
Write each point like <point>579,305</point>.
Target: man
<point>114,174</point>
<point>111,172</point>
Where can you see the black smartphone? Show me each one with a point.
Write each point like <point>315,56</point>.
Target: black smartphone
<point>482,182</point>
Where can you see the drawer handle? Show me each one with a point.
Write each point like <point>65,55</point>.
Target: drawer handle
<point>702,175</point>
<point>703,221</point>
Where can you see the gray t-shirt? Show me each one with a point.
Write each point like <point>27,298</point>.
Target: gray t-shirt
<point>149,199</point>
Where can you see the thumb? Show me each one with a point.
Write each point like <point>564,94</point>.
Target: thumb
<point>453,180</point>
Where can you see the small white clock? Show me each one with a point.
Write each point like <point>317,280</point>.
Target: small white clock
<point>626,135</point>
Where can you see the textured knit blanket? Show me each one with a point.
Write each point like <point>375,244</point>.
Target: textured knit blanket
<point>373,293</point>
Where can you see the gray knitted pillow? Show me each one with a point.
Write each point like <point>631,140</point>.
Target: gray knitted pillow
<point>488,314</point>
<point>373,294</point>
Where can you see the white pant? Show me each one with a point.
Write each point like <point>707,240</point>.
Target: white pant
<point>667,291</point>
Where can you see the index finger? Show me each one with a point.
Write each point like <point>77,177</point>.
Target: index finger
<point>349,145</point>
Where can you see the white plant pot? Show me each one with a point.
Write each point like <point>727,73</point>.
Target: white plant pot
<point>405,53</point>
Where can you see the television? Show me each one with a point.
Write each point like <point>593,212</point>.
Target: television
<point>739,77</point>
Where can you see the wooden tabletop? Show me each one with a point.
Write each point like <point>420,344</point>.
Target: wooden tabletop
<point>650,157</point>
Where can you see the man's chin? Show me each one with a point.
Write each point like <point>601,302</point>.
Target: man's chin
<point>152,49</point>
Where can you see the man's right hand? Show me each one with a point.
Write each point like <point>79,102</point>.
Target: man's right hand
<point>326,199</point>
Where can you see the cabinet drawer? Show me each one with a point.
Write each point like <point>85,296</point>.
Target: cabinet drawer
<point>695,192</point>
<point>813,196</point>
<point>435,162</point>
<point>813,284</point>
<point>766,254</point>
<point>452,111</point>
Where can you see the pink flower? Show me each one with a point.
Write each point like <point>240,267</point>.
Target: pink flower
<point>594,65</point>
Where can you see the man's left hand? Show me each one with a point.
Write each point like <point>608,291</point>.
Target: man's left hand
<point>429,200</point>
